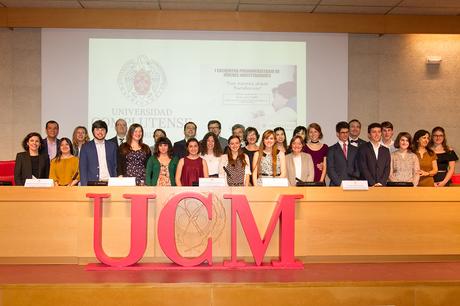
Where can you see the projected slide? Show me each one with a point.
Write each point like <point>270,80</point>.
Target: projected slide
<point>165,83</point>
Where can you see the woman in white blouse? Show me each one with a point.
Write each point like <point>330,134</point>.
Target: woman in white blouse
<point>211,153</point>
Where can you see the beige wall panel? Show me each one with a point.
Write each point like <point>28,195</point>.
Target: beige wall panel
<point>411,94</point>
<point>363,76</point>
<point>6,98</point>
<point>20,84</point>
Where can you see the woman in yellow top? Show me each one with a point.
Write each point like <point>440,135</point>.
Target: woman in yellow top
<point>64,167</point>
<point>426,157</point>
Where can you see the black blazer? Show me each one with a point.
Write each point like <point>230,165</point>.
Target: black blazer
<point>339,168</point>
<point>179,149</point>
<point>115,140</point>
<point>23,167</point>
<point>373,170</point>
<point>44,146</point>
<point>360,142</point>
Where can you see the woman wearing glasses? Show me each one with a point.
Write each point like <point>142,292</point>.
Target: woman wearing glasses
<point>446,157</point>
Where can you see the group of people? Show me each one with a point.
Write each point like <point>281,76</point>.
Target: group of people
<point>422,160</point>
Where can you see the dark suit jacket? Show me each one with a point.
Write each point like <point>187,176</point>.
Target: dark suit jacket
<point>373,170</point>
<point>115,140</point>
<point>179,149</point>
<point>23,167</point>
<point>223,142</point>
<point>89,163</point>
<point>360,142</point>
<point>339,168</point>
<point>44,146</point>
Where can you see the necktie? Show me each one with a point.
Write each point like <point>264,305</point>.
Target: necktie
<point>121,140</point>
<point>344,149</point>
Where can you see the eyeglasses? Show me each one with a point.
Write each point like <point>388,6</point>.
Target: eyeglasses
<point>438,135</point>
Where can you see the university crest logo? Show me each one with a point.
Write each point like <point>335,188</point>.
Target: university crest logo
<point>142,80</point>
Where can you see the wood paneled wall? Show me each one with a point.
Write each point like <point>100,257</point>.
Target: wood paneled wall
<point>226,21</point>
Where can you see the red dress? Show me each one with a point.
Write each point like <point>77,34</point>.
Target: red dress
<point>318,157</point>
<point>191,171</point>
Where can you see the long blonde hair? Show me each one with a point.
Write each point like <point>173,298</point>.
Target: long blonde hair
<point>275,150</point>
<point>74,135</point>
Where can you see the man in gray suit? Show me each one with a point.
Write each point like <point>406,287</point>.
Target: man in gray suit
<point>215,127</point>
<point>341,157</point>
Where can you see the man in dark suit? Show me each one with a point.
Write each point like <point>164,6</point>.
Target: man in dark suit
<point>121,127</point>
<point>341,157</point>
<point>180,147</point>
<point>98,158</point>
<point>374,158</point>
<point>355,131</point>
<point>50,144</point>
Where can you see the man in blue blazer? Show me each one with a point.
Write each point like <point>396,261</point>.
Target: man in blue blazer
<point>373,158</point>
<point>98,158</point>
<point>341,157</point>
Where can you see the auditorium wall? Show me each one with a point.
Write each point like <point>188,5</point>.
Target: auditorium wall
<point>20,81</point>
<point>388,80</point>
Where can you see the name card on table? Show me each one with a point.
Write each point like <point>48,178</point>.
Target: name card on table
<point>39,183</point>
<point>212,182</point>
<point>355,185</point>
<point>274,182</point>
<point>122,181</point>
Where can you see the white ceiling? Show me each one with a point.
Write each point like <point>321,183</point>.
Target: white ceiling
<point>380,7</point>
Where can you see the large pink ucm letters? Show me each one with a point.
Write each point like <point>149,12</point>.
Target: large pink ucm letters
<point>139,209</point>
<point>284,212</point>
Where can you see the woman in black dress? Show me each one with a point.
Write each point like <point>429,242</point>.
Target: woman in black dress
<point>446,157</point>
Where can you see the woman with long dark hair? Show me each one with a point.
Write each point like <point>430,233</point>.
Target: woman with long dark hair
<point>301,131</point>
<point>161,166</point>
<point>251,137</point>
<point>133,155</point>
<point>281,142</point>
<point>446,157</point>
<point>64,167</point>
<point>234,166</point>
<point>211,153</point>
<point>426,157</point>
<point>191,167</point>
<point>30,163</point>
